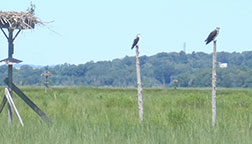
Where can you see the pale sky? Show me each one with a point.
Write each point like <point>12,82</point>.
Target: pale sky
<point>85,30</point>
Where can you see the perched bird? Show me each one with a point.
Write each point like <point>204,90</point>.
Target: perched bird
<point>212,35</point>
<point>135,41</point>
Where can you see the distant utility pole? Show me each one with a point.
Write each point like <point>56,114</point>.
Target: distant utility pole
<point>184,48</point>
<point>139,85</point>
<point>214,108</point>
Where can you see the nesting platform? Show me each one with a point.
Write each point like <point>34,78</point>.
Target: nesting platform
<point>46,74</point>
<point>18,20</point>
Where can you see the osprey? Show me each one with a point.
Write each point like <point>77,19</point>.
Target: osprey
<point>135,41</point>
<point>212,35</point>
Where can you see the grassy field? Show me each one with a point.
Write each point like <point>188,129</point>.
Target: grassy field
<point>94,115</point>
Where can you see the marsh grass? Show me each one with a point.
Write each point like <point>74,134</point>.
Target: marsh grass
<point>95,115</point>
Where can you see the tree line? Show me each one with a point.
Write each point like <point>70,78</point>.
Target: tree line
<point>161,70</point>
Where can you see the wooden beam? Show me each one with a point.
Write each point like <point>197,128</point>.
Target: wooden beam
<point>16,34</point>
<point>3,104</point>
<point>4,33</point>
<point>12,105</point>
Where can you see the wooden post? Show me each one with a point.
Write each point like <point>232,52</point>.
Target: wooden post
<point>46,84</point>
<point>214,108</point>
<point>139,85</point>
<point>10,53</point>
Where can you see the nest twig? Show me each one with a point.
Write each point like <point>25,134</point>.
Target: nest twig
<point>18,20</point>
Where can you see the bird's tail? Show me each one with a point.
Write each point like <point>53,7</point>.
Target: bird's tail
<point>206,41</point>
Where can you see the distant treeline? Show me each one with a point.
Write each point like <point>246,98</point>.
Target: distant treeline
<point>160,70</point>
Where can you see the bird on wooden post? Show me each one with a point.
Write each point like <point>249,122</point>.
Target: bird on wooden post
<point>212,35</point>
<point>135,42</point>
<point>138,72</point>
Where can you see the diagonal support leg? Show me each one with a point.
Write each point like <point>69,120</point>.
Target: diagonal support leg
<point>29,102</point>
<point>3,104</point>
<point>9,114</point>
<point>12,105</point>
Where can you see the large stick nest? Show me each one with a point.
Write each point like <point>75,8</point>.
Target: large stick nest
<point>18,20</point>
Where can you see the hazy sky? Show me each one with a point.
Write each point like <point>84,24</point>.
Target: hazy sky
<point>97,30</point>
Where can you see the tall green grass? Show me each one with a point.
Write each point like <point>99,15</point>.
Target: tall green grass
<point>95,115</point>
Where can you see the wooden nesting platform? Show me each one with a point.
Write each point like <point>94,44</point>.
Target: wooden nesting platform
<point>46,74</point>
<point>18,20</point>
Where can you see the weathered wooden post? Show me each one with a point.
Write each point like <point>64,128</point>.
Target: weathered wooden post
<point>214,108</point>
<point>139,85</point>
